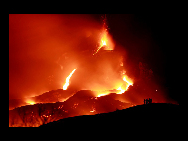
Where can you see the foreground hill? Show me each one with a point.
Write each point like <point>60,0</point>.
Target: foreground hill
<point>82,103</point>
<point>151,115</point>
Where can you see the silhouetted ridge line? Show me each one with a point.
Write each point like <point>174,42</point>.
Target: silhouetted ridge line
<point>151,115</point>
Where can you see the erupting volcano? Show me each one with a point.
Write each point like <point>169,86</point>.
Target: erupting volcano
<point>93,80</point>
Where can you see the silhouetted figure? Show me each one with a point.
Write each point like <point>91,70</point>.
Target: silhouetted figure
<point>147,101</point>
<point>150,100</point>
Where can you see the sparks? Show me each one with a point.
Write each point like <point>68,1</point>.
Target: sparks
<point>65,86</point>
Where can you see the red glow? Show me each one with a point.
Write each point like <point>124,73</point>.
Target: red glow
<point>31,102</point>
<point>47,52</point>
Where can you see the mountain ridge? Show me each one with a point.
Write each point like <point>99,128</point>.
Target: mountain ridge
<point>81,103</point>
<point>151,115</point>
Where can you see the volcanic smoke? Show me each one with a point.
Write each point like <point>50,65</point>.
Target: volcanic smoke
<point>78,58</point>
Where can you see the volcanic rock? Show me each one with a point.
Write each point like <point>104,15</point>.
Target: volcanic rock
<point>81,103</point>
<point>47,97</point>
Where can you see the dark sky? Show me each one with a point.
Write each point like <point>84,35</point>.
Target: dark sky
<point>156,39</point>
<point>37,41</point>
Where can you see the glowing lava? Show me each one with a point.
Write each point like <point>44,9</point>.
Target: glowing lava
<point>65,86</point>
<point>104,41</point>
<point>120,90</point>
<point>30,102</point>
<point>93,110</point>
<point>104,38</point>
<point>128,81</point>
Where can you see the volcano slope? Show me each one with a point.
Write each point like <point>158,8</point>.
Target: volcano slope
<point>150,115</point>
<point>81,103</point>
<point>47,97</point>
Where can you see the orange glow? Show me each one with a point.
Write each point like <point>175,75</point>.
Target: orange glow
<point>103,93</point>
<point>128,81</point>
<point>120,90</point>
<point>30,102</point>
<point>64,99</point>
<point>101,83</point>
<point>103,41</point>
<point>92,110</point>
<point>65,86</point>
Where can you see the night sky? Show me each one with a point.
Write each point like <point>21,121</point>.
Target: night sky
<point>153,39</point>
<point>156,39</point>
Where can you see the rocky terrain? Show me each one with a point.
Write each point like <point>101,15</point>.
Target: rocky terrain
<point>81,103</point>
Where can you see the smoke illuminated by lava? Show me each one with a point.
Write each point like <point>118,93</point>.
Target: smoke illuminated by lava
<point>116,87</point>
<point>44,49</point>
<point>67,65</point>
<point>39,45</point>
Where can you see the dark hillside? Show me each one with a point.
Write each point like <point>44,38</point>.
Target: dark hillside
<point>151,115</point>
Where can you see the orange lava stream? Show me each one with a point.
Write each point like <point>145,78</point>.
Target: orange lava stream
<point>65,86</point>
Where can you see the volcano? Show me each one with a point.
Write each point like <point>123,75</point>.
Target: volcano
<point>76,63</point>
<point>47,97</point>
<point>81,103</point>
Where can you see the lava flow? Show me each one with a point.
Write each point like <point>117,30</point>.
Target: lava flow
<point>105,43</point>
<point>121,88</point>
<point>123,82</point>
<point>65,86</point>
<point>102,83</point>
<point>98,73</point>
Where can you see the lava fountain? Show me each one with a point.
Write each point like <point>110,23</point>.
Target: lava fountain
<point>95,75</point>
